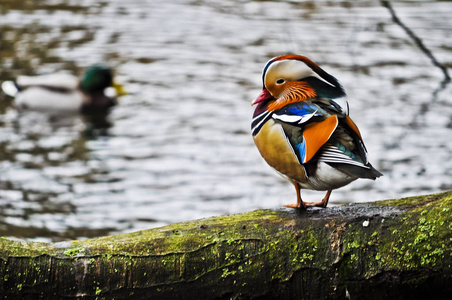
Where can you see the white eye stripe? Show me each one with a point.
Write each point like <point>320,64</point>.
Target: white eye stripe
<point>322,79</point>
<point>290,70</point>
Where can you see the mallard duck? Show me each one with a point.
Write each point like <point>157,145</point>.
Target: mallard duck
<point>61,92</point>
<point>302,132</point>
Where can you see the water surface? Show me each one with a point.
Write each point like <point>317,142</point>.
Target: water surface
<point>178,147</point>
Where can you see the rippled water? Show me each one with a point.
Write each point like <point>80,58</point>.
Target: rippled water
<point>179,145</point>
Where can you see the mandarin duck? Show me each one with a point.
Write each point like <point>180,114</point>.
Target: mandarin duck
<point>61,92</point>
<point>303,133</point>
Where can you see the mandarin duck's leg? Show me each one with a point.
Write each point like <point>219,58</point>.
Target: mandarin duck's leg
<point>326,198</point>
<point>322,203</point>
<point>300,203</point>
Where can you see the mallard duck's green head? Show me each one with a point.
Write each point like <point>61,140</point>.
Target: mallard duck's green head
<point>96,79</point>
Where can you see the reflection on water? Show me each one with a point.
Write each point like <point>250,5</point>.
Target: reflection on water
<point>178,147</point>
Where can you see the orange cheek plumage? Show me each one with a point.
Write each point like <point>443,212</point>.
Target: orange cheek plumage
<point>291,92</point>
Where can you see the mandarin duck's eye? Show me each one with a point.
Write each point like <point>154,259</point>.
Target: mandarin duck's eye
<point>280,81</point>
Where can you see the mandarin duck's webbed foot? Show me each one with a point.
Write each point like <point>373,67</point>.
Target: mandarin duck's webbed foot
<point>322,203</point>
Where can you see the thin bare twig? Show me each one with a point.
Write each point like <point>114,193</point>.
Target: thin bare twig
<point>417,41</point>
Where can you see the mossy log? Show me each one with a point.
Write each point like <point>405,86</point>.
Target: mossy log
<point>394,249</point>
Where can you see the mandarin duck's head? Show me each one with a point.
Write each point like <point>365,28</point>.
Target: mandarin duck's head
<point>293,78</point>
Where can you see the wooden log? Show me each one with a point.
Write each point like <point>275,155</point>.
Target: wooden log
<point>394,249</point>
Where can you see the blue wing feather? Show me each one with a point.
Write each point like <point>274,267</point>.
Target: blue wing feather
<point>300,112</point>
<point>301,150</point>
<point>300,109</point>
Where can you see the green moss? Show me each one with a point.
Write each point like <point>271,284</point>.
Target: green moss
<point>395,245</point>
<point>74,251</point>
<point>414,201</point>
<point>227,272</point>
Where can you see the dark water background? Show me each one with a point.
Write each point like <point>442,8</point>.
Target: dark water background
<point>179,145</point>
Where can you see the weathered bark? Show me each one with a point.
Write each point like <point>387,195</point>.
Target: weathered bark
<point>395,249</point>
